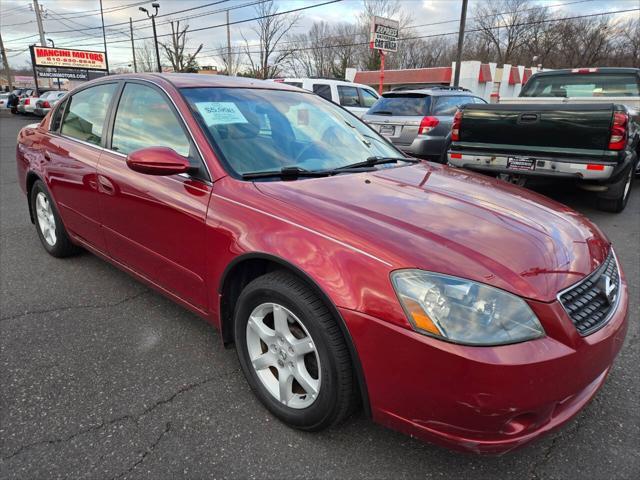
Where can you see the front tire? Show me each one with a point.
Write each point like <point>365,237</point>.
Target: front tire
<point>292,352</point>
<point>53,236</point>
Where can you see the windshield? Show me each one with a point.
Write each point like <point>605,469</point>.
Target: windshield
<point>583,85</point>
<point>267,130</point>
<point>402,105</point>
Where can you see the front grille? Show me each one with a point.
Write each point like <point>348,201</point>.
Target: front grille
<point>587,302</point>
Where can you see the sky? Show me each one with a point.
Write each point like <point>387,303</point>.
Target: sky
<point>68,22</point>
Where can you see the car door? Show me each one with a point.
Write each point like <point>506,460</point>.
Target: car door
<point>71,152</point>
<point>155,225</point>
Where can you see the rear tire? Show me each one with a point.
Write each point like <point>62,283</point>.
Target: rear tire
<point>616,198</point>
<point>288,315</point>
<point>53,236</point>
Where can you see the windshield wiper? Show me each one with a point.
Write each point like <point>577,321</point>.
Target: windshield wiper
<point>289,173</point>
<point>372,161</point>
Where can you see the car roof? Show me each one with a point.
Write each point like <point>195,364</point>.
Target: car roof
<point>320,80</point>
<point>565,71</point>
<point>201,80</point>
<point>433,92</point>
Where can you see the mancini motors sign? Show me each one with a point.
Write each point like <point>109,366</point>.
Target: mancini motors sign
<point>66,58</point>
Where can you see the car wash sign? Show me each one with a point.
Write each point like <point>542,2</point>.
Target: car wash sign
<point>67,58</point>
<point>384,34</point>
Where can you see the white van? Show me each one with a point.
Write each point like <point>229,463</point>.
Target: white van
<point>355,97</point>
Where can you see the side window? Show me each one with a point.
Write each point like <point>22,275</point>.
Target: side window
<point>57,117</point>
<point>145,119</point>
<point>85,116</point>
<point>348,96</point>
<point>368,97</point>
<point>447,106</point>
<point>323,90</point>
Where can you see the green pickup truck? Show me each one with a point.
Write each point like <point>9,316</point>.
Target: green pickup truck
<point>581,125</point>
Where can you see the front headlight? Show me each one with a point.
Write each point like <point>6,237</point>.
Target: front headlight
<point>463,311</point>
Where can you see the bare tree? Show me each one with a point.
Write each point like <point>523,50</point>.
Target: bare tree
<point>174,51</point>
<point>271,28</point>
<point>146,57</point>
<point>508,25</point>
<point>231,63</point>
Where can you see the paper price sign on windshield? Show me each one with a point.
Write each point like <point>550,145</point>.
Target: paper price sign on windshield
<point>220,113</point>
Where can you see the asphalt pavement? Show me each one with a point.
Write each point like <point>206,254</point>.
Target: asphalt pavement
<point>101,377</point>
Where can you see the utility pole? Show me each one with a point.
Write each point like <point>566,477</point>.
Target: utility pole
<point>463,20</point>
<point>229,72</point>
<point>38,11</point>
<point>104,39</point>
<point>156,6</point>
<point>133,47</point>
<point>5,63</point>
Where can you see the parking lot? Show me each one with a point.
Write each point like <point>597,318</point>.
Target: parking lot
<point>102,377</point>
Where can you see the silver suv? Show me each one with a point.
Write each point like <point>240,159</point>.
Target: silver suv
<point>418,122</point>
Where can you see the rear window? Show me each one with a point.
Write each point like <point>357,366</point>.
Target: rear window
<point>294,84</point>
<point>402,104</point>
<point>448,105</point>
<point>583,85</point>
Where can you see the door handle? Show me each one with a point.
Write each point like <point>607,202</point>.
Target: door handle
<point>106,185</point>
<point>47,156</point>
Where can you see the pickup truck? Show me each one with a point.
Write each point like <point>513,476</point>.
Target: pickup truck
<point>580,124</point>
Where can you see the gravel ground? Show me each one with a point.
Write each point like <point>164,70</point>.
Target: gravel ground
<point>103,378</point>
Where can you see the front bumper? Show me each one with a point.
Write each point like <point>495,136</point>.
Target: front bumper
<point>545,167</point>
<point>484,399</point>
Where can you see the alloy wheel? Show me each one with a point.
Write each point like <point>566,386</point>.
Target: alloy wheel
<point>46,220</point>
<point>283,355</point>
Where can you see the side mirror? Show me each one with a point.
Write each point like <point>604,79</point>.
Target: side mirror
<point>157,161</point>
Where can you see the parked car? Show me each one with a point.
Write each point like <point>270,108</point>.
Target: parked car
<point>444,302</point>
<point>4,101</point>
<point>581,125</point>
<point>419,121</point>
<point>355,97</point>
<point>46,102</point>
<point>21,105</point>
<point>29,98</point>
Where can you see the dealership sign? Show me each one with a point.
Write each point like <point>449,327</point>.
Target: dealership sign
<point>63,57</point>
<point>384,34</point>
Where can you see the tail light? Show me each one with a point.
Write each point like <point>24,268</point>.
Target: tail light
<point>27,101</point>
<point>45,104</point>
<point>618,138</point>
<point>455,127</point>
<point>427,124</point>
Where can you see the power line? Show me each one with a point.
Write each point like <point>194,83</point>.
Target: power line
<point>210,27</point>
<point>474,30</point>
<point>135,21</point>
<point>198,15</point>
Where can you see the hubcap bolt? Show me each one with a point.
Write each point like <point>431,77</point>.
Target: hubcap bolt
<point>291,365</point>
<point>281,363</point>
<point>273,347</point>
<point>291,350</point>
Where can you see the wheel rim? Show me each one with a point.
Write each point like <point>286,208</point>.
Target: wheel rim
<point>46,220</point>
<point>283,355</point>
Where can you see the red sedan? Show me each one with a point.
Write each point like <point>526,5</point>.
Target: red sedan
<point>453,307</point>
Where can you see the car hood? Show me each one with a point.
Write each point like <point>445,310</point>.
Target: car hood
<point>455,222</point>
